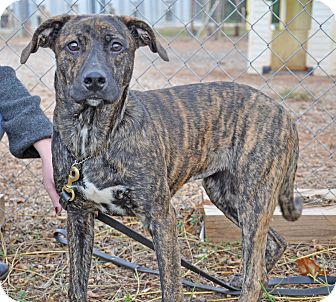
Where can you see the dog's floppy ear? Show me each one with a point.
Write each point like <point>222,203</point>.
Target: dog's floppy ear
<point>144,35</point>
<point>44,36</point>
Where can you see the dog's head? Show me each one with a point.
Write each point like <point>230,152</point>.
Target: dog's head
<point>94,54</point>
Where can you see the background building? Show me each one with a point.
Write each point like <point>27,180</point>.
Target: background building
<point>301,35</point>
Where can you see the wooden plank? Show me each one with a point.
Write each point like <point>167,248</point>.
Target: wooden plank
<point>318,223</point>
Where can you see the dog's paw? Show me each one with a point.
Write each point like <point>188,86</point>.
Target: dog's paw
<point>235,280</point>
<point>122,193</point>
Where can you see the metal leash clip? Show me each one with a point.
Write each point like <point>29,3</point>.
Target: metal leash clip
<point>73,176</point>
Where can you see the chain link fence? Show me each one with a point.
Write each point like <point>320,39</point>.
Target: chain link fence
<point>285,48</point>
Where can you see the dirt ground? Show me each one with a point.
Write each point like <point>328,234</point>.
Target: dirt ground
<point>38,263</point>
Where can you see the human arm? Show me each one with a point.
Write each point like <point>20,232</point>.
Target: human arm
<point>43,147</point>
<point>27,127</point>
<point>22,118</point>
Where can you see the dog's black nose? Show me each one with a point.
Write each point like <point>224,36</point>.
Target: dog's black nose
<point>95,81</point>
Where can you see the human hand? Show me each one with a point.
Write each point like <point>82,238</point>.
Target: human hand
<point>43,147</point>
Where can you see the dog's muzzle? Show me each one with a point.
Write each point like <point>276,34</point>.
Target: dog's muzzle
<point>94,102</point>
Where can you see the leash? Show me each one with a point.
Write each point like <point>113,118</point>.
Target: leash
<point>326,283</point>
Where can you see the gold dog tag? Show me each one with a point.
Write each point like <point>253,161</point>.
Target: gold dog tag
<point>73,176</point>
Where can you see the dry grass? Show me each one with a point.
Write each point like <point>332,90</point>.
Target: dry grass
<point>39,264</point>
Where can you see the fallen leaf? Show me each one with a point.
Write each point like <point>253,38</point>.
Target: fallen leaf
<point>307,266</point>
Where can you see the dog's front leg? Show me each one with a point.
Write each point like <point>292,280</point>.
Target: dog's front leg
<point>80,238</point>
<point>163,230</point>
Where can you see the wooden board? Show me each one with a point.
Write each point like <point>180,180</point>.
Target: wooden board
<point>318,223</point>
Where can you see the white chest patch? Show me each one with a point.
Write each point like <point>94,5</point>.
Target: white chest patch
<point>84,135</point>
<point>104,196</point>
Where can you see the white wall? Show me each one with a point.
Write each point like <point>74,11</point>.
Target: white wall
<point>320,47</point>
<point>260,34</point>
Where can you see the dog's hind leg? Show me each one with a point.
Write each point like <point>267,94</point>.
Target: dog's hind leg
<point>162,226</point>
<point>255,213</point>
<point>221,189</point>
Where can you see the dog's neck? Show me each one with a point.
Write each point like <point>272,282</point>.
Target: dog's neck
<point>84,129</point>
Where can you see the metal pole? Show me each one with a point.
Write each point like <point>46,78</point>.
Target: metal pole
<point>24,18</point>
<point>93,6</point>
<point>192,15</point>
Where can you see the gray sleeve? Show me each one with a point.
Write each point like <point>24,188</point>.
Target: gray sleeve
<point>2,131</point>
<point>22,118</point>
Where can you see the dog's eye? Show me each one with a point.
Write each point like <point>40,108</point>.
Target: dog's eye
<point>73,46</point>
<point>116,46</point>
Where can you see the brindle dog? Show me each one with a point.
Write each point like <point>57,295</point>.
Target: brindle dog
<point>136,149</point>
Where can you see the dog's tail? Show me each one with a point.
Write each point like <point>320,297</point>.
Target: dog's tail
<point>291,207</point>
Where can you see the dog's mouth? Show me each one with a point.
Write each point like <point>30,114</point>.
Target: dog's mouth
<point>94,102</point>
